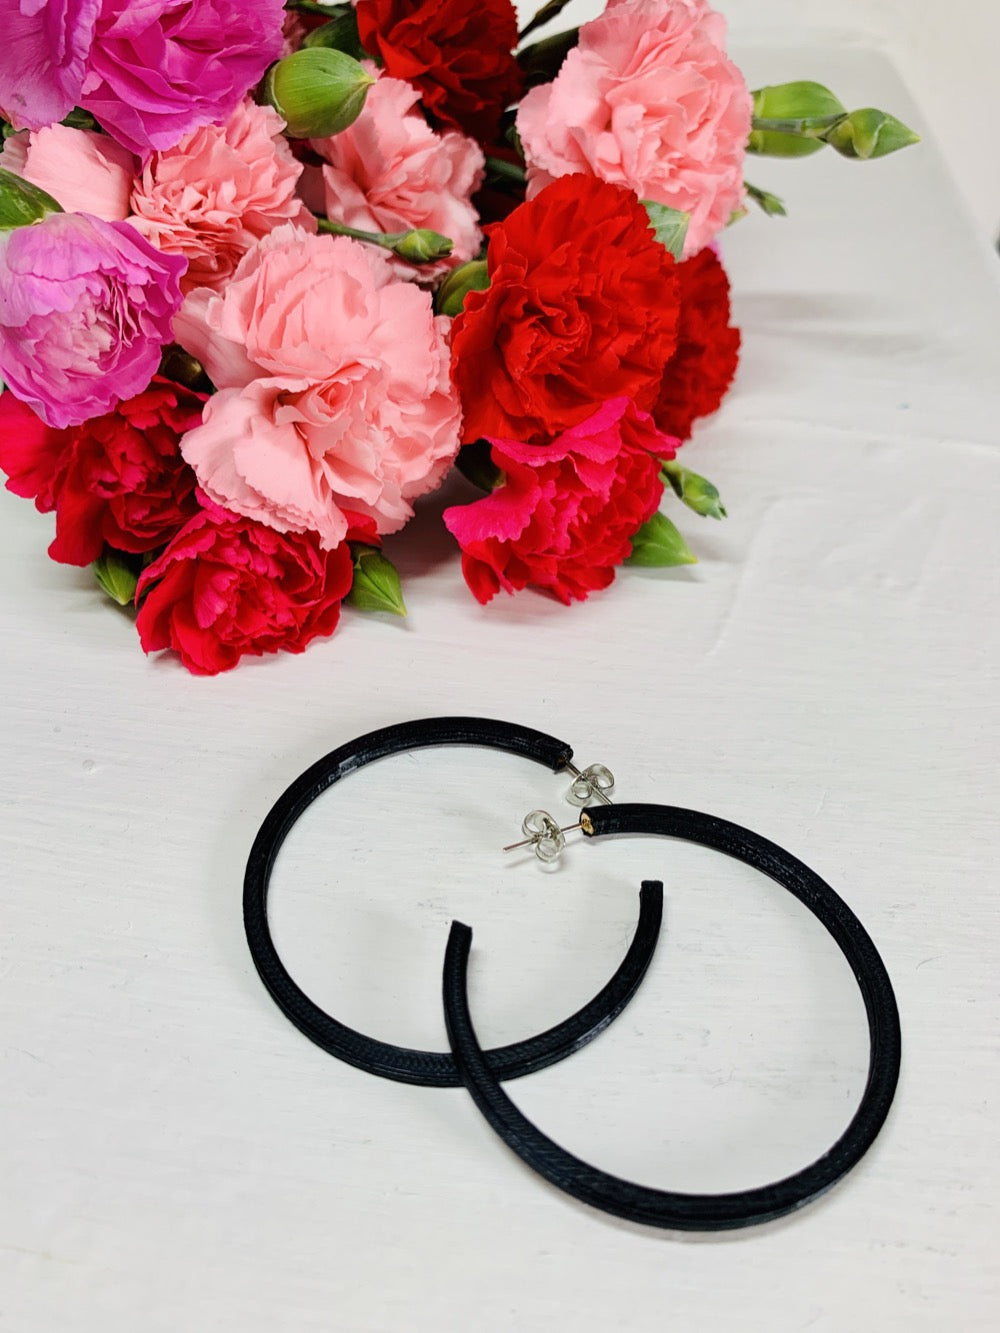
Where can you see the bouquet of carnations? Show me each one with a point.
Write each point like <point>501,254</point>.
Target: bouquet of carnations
<point>269,271</point>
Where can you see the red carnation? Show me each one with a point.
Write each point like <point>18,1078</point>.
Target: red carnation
<point>708,349</point>
<point>459,53</point>
<point>227,586</point>
<point>566,514</point>
<point>117,479</point>
<point>582,306</point>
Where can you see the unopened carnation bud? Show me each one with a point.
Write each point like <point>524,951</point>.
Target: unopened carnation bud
<point>376,585</point>
<point>423,246</point>
<point>117,574</point>
<point>22,203</point>
<point>802,102</point>
<point>869,133</point>
<point>471,277</point>
<point>318,91</point>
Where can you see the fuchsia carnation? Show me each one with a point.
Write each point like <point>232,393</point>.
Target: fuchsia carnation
<point>44,52</point>
<point>218,190</point>
<point>567,511</point>
<point>389,172</point>
<point>648,99</point>
<point>149,70</point>
<point>85,310</point>
<point>334,391</point>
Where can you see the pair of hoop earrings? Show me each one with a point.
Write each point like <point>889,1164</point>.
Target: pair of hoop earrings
<point>482,1072</point>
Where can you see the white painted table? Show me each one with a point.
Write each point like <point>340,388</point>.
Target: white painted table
<point>174,1155</point>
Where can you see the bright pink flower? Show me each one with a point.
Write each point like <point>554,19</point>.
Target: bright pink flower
<point>118,479</point>
<point>334,394</point>
<point>566,513</point>
<point>85,310</point>
<point>649,100</point>
<point>218,191</point>
<point>226,587</point>
<point>160,68</point>
<point>44,48</point>
<point>84,171</point>
<point>390,171</point>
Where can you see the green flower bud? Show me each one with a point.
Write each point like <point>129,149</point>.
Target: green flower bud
<point>317,90</point>
<point>669,226</point>
<point>658,544</point>
<point>801,105</point>
<point>869,133</point>
<point>773,143</point>
<point>22,203</point>
<point>471,277</point>
<point>696,492</point>
<point>117,574</point>
<point>422,246</point>
<point>376,585</point>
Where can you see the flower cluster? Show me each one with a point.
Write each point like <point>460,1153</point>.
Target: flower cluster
<point>268,271</point>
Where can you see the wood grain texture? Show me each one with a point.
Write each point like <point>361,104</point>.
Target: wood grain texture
<point>175,1155</point>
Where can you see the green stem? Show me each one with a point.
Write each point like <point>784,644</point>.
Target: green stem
<point>510,171</point>
<point>813,127</point>
<point>384,239</point>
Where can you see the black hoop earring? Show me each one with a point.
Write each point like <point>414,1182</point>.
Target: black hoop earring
<point>663,1208</point>
<point>432,1068</point>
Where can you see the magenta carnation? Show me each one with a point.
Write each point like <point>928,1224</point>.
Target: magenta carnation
<point>85,309</point>
<point>163,67</point>
<point>43,58</point>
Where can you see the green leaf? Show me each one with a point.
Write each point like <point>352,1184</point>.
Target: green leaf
<point>340,33</point>
<point>658,544</point>
<point>541,61</point>
<point>117,575</point>
<point>545,15</point>
<point>698,493</point>
<point>22,203</point>
<point>476,464</point>
<point>376,585</point>
<point>770,203</point>
<point>669,226</point>
<point>868,133</point>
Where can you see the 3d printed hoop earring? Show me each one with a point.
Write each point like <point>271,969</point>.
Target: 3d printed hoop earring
<point>664,1208</point>
<point>405,1065</point>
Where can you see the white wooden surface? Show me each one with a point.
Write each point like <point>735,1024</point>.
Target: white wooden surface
<point>174,1155</point>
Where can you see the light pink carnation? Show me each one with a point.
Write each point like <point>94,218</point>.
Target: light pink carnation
<point>649,100</point>
<point>390,171</point>
<point>84,171</point>
<point>218,191</point>
<point>334,391</point>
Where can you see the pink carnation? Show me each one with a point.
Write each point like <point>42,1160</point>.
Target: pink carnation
<point>85,309</point>
<point>218,191</point>
<point>649,100</point>
<point>334,387</point>
<point>44,51</point>
<point>83,171</point>
<point>390,171</point>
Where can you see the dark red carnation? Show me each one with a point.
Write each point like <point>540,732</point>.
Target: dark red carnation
<point>459,53</point>
<point>581,306</point>
<point>708,348</point>
<point>566,514</point>
<point>117,479</point>
<point>227,587</point>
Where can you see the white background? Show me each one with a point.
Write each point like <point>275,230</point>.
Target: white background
<point>174,1155</point>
